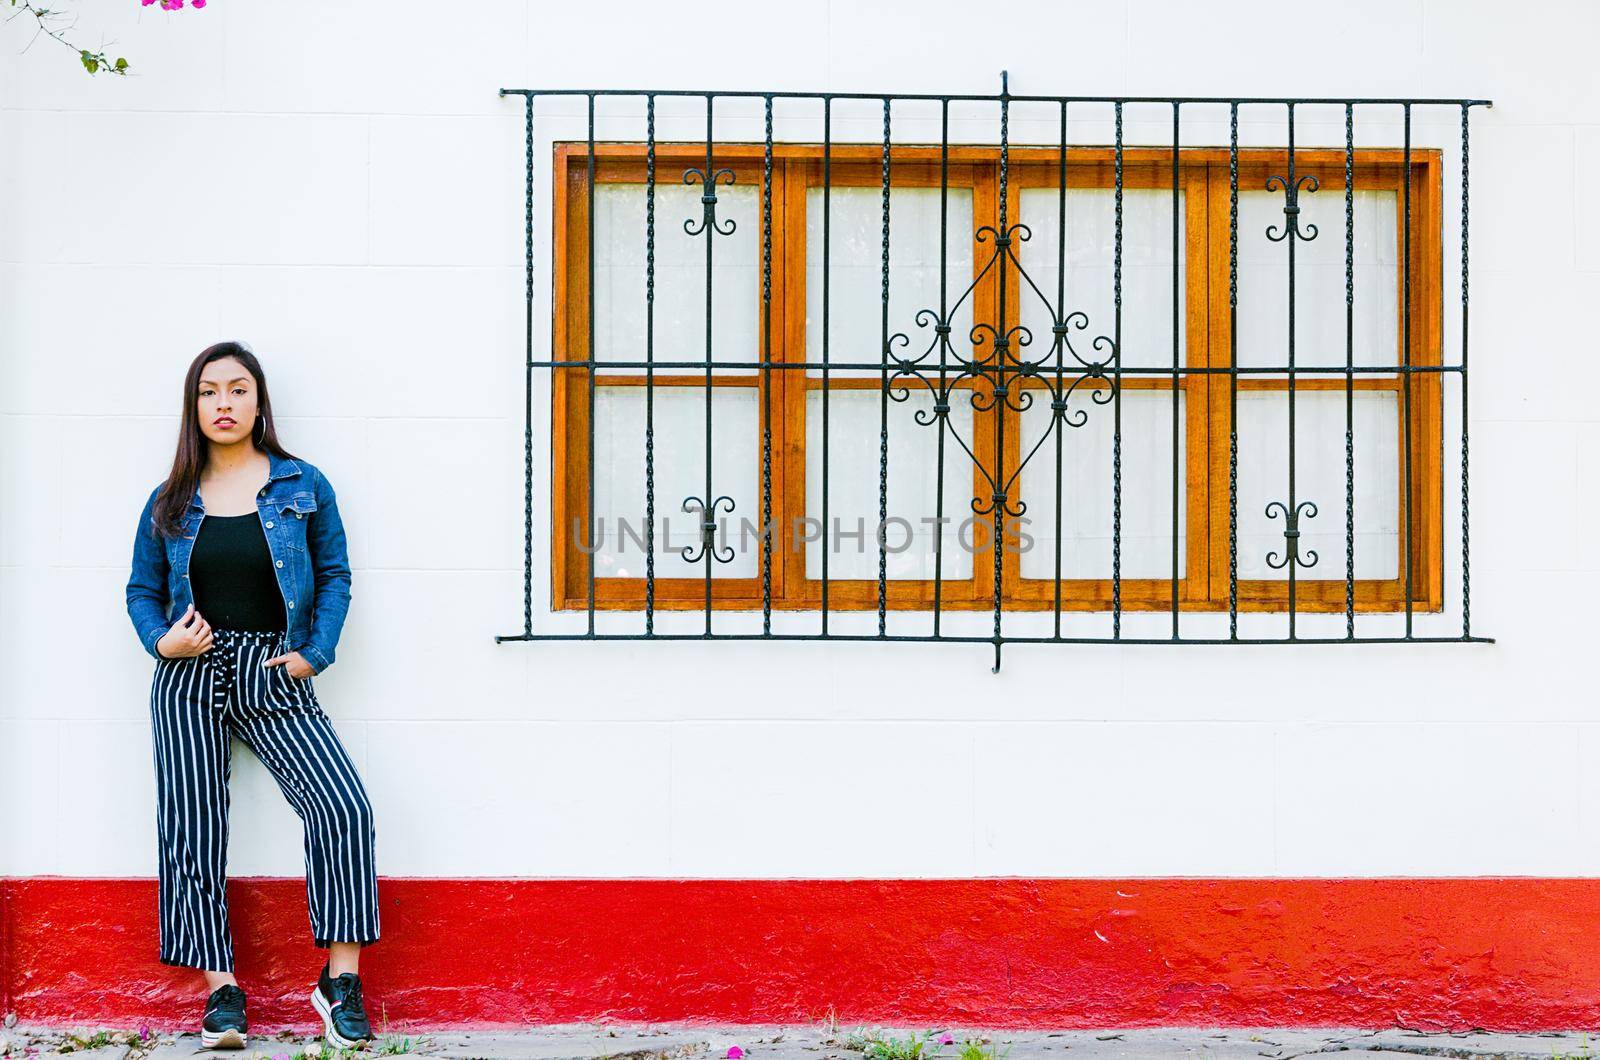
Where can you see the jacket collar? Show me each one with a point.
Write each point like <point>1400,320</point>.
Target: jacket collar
<point>281,467</point>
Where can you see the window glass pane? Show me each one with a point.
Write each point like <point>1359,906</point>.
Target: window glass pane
<point>1086,488</point>
<point>855,273</point>
<point>1319,278</point>
<point>680,275</point>
<point>619,468</point>
<point>1320,478</point>
<point>1091,256</point>
<point>854,418</point>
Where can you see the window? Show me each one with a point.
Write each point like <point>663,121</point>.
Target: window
<point>827,410</point>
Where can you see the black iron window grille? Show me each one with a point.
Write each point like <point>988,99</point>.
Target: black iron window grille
<point>944,384</point>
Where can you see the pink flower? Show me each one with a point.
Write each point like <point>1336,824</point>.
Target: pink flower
<point>147,3</point>
<point>734,1052</point>
<point>197,3</point>
<point>947,1040</point>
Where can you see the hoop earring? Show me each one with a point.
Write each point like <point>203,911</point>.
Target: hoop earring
<point>262,423</point>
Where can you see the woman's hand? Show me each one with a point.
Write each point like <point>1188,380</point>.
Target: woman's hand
<point>294,662</point>
<point>187,637</point>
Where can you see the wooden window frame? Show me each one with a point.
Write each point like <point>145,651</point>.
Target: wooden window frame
<point>1204,180</point>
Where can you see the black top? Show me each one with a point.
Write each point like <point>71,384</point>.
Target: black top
<point>232,577</point>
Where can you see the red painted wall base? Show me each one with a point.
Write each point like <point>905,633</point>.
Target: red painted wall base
<point>1508,954</point>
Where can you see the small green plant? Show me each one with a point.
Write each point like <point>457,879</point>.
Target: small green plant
<point>1584,1055</point>
<point>74,1041</point>
<point>877,1045</point>
<point>975,1050</point>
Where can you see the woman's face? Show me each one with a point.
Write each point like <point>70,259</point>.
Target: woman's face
<point>226,402</point>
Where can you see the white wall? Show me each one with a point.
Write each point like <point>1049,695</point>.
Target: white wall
<point>341,186</point>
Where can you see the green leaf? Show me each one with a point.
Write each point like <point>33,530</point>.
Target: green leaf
<point>122,64</point>
<point>90,63</point>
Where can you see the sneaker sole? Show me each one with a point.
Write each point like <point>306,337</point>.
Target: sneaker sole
<point>222,1040</point>
<point>328,1030</point>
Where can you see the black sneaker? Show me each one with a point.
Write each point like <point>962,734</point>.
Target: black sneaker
<point>224,1023</point>
<point>338,1001</point>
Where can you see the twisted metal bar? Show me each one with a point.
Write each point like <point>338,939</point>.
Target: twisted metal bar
<point>944,255</point>
<point>1060,309</point>
<point>527,434</point>
<point>1116,428</point>
<point>883,404</point>
<point>1349,375</point>
<point>997,542</point>
<point>766,375</point>
<point>1233,371</point>
<point>591,545</point>
<point>827,232</point>
<point>1177,332</point>
<point>1466,529</point>
<point>1405,347</point>
<point>649,376</point>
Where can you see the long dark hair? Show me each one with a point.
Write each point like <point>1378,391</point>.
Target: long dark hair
<point>194,450</point>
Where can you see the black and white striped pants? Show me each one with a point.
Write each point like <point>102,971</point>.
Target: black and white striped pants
<point>197,705</point>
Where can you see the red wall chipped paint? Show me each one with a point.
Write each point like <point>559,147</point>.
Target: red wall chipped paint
<point>1501,953</point>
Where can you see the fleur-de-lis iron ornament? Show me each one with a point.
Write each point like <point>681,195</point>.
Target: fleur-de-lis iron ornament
<point>997,356</point>
<point>708,532</point>
<point>1291,535</point>
<point>1291,207</point>
<point>708,201</point>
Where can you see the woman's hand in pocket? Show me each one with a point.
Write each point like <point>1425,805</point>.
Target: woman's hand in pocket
<point>188,637</point>
<point>293,662</point>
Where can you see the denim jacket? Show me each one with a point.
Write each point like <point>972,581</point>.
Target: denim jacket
<point>305,538</point>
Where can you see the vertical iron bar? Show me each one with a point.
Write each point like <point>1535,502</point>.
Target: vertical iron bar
<point>710,511</point>
<point>649,370</point>
<point>1116,400</point>
<point>1406,351</point>
<point>1233,371</point>
<point>1466,533</point>
<point>1177,331</point>
<point>883,402</point>
<point>527,439</point>
<point>1061,340</point>
<point>589,370</point>
<point>766,376</point>
<point>1349,373</point>
<point>827,225</point>
<point>996,542</point>
<point>943,341</point>
<point>1291,236</point>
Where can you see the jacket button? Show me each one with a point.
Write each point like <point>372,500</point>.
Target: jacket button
<point>280,563</point>
<point>269,524</point>
<point>291,603</point>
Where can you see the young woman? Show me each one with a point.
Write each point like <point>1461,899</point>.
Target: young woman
<point>239,589</point>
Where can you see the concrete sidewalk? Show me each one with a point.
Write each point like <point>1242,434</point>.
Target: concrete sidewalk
<point>590,1041</point>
